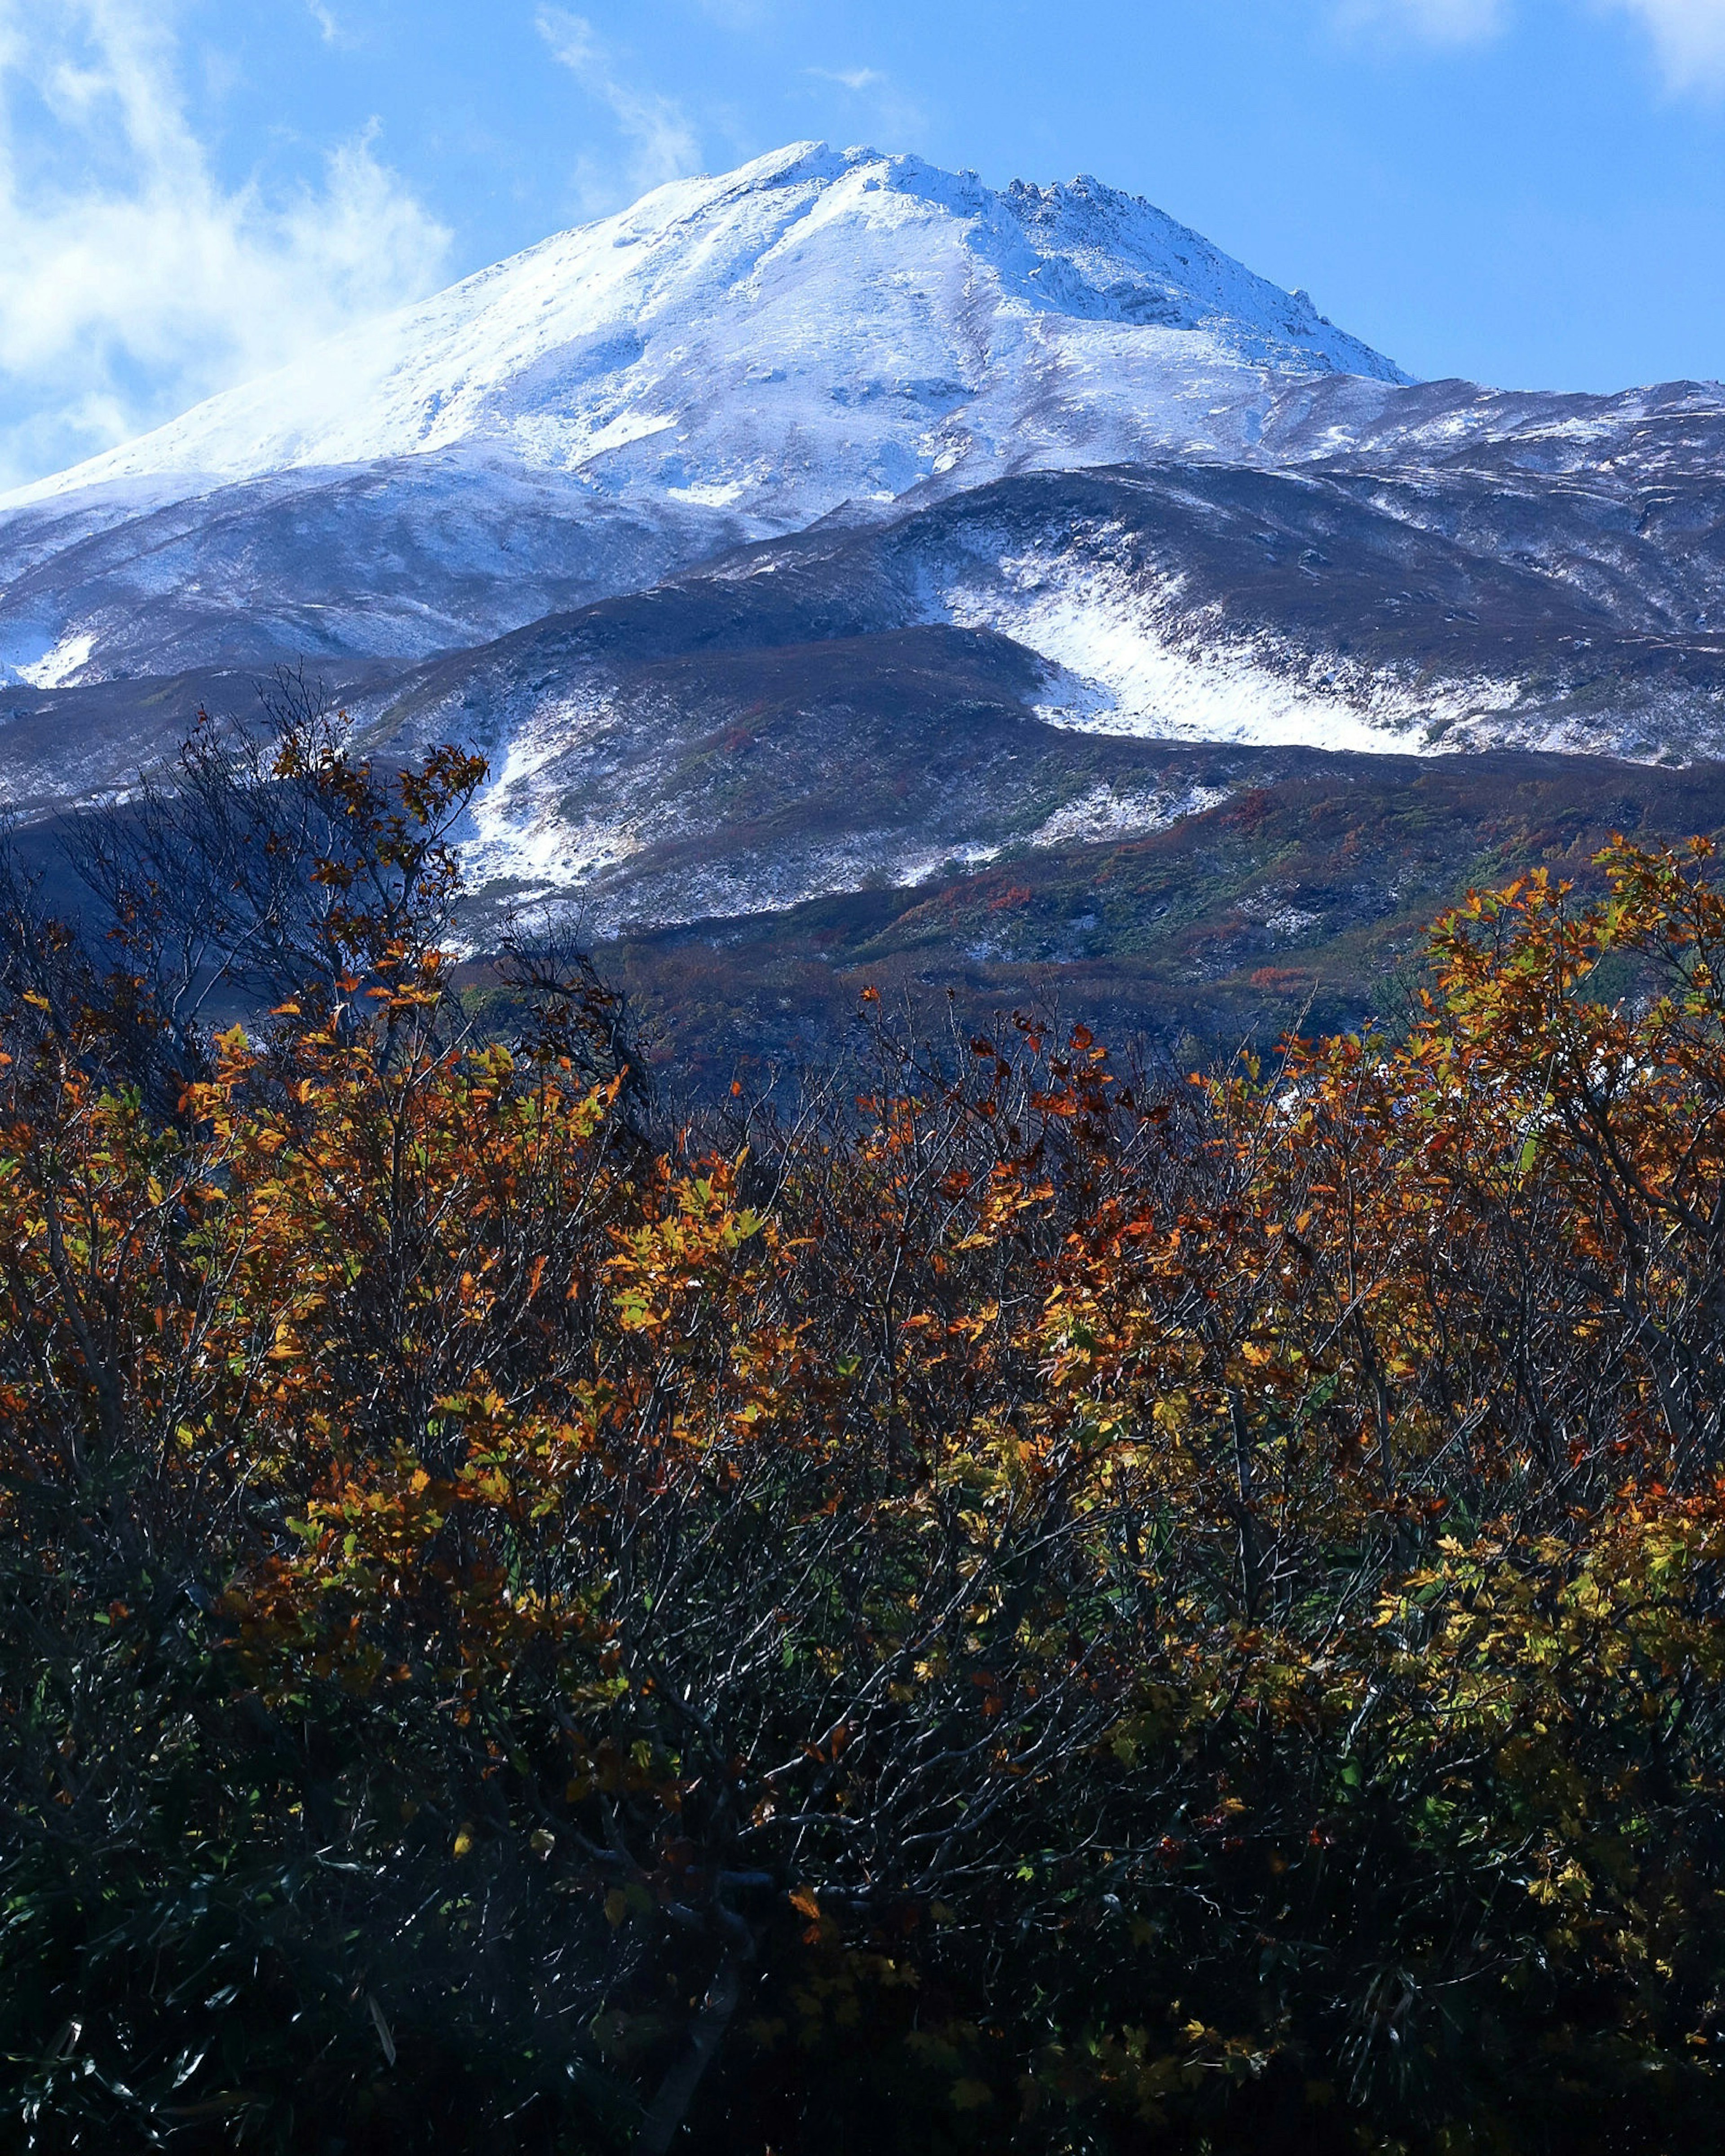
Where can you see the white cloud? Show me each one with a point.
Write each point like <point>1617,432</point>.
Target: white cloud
<point>1688,36</point>
<point>663,144</point>
<point>133,280</point>
<point>856,78</point>
<point>900,121</point>
<point>1433,22</point>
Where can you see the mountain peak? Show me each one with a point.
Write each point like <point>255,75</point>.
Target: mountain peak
<point>818,325</point>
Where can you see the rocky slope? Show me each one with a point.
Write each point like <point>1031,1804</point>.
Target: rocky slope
<point>1005,668</point>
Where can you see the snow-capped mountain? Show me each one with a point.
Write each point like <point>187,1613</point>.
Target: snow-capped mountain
<point>818,325</point>
<point>841,522</point>
<point>731,359</point>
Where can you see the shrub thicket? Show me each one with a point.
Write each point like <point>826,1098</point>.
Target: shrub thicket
<point>1033,1613</point>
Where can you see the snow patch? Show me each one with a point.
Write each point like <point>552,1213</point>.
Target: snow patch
<point>1116,667</point>
<point>59,667</point>
<point>1102,813</point>
<point>717,495</point>
<point>520,833</point>
<point>1290,919</point>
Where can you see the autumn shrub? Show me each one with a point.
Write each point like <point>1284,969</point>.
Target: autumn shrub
<point>1012,1608</point>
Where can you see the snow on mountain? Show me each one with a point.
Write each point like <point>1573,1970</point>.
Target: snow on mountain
<point>816,325</point>
<point>842,519</point>
<point>879,701</point>
<point>730,360</point>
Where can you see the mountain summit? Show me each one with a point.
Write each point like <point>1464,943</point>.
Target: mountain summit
<point>816,325</point>
<point>729,360</point>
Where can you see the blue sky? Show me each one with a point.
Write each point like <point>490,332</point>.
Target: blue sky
<point>1528,192</point>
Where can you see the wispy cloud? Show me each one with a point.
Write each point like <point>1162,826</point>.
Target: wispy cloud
<point>856,78</point>
<point>328,29</point>
<point>133,279</point>
<point>1689,37</point>
<point>899,121</point>
<point>662,143</point>
<point>1432,22</point>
